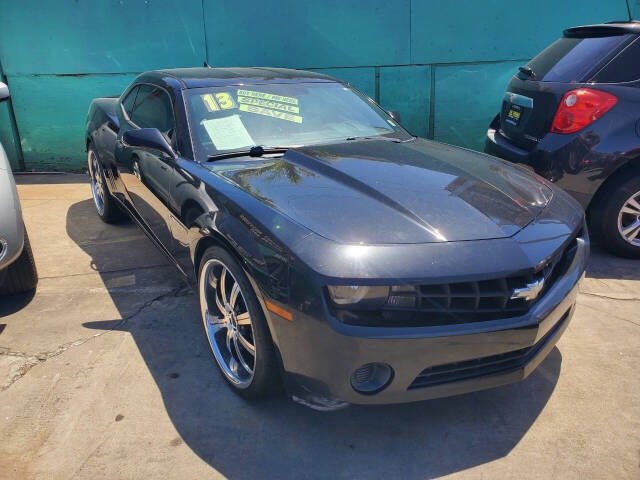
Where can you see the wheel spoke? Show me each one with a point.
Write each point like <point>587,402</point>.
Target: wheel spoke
<point>212,281</point>
<point>633,203</point>
<point>628,209</point>
<point>233,365</point>
<point>246,344</point>
<point>243,362</point>
<point>234,294</point>
<point>223,280</point>
<point>243,319</point>
<point>629,229</point>
<point>213,320</point>
<point>633,234</point>
<point>229,340</point>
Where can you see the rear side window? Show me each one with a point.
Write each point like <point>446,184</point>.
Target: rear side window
<point>129,100</point>
<point>153,110</point>
<point>624,68</point>
<point>571,59</point>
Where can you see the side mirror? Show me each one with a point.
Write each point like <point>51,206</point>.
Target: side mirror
<point>395,115</point>
<point>4,92</point>
<point>150,138</point>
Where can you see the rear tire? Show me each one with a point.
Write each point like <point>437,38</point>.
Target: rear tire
<point>21,275</point>
<point>616,218</point>
<point>107,207</point>
<point>233,320</point>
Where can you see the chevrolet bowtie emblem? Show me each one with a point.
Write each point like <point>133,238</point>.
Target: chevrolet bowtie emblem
<point>530,291</point>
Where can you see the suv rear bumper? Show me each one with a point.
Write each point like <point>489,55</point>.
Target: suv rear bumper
<point>498,146</point>
<point>578,163</point>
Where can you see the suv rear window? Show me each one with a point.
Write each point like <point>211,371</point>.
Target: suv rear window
<point>624,68</point>
<point>571,59</point>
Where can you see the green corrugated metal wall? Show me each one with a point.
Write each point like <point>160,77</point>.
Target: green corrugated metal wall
<point>443,65</point>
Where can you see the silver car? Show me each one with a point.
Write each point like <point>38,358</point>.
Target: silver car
<point>17,268</point>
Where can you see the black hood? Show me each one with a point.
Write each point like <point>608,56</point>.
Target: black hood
<point>381,192</point>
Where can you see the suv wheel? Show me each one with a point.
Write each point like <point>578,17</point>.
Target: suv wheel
<point>618,220</point>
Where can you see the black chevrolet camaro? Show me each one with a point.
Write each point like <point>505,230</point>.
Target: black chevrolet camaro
<point>333,252</point>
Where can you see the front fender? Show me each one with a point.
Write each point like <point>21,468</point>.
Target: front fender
<point>11,226</point>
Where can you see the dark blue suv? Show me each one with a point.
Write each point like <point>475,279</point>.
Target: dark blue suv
<point>573,115</point>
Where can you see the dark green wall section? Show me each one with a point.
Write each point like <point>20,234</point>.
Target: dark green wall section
<point>442,65</point>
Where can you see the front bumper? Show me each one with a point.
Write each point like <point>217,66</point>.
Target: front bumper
<point>11,247</point>
<point>328,352</point>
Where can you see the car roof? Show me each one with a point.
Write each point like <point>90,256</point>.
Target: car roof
<point>604,29</point>
<point>214,77</point>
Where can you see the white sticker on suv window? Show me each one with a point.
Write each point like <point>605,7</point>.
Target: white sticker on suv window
<point>228,133</point>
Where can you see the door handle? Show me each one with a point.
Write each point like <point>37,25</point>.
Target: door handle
<point>163,167</point>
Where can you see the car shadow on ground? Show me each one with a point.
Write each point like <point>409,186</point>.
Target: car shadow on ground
<point>10,304</point>
<point>277,438</point>
<point>603,265</point>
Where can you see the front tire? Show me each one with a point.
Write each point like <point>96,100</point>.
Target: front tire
<point>106,205</point>
<point>235,326</point>
<point>617,220</point>
<point>21,275</point>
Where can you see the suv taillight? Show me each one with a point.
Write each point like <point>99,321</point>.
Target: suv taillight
<point>579,108</point>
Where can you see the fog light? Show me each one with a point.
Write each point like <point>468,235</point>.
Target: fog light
<point>371,378</point>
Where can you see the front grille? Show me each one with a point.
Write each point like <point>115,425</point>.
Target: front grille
<point>480,367</point>
<point>463,302</point>
<point>473,301</point>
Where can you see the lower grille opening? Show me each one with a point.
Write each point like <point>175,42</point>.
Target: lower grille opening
<point>481,367</point>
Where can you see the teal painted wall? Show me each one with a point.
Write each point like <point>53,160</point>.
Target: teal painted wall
<point>442,65</point>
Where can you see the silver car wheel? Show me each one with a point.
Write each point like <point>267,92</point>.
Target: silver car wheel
<point>136,170</point>
<point>629,220</point>
<point>97,185</point>
<point>227,322</point>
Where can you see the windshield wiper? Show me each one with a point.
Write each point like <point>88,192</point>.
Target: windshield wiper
<point>386,139</point>
<point>256,151</point>
<point>527,71</point>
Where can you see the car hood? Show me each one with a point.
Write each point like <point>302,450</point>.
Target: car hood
<point>382,192</point>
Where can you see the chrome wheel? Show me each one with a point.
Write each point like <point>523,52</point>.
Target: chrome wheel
<point>227,322</point>
<point>97,185</point>
<point>136,170</point>
<point>629,220</point>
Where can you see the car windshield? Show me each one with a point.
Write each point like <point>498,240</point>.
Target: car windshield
<point>235,118</point>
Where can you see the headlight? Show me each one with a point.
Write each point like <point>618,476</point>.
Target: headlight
<point>370,297</point>
<point>360,295</point>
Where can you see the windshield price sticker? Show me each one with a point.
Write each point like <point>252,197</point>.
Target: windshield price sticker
<point>209,102</point>
<point>223,100</point>
<point>267,96</point>
<point>269,104</point>
<point>270,113</point>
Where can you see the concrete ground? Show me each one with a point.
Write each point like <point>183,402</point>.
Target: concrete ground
<point>105,373</point>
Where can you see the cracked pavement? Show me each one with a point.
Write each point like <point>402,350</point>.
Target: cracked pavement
<point>105,372</point>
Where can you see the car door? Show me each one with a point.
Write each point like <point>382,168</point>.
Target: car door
<point>146,173</point>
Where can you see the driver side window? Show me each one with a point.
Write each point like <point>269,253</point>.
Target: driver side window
<point>129,101</point>
<point>153,109</point>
